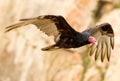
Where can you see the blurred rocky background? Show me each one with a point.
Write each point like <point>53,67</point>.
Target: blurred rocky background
<point>21,58</point>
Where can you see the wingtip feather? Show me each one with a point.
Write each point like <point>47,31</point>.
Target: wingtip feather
<point>112,42</point>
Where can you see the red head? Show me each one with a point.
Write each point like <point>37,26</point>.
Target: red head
<point>92,40</point>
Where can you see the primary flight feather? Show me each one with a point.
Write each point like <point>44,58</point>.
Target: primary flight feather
<point>67,37</point>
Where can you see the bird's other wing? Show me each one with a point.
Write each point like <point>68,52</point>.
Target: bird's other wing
<point>49,24</point>
<point>104,35</point>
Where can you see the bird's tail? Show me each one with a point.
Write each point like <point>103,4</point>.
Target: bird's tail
<point>50,48</point>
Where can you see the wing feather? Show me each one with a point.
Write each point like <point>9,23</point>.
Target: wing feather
<point>50,24</point>
<point>92,50</point>
<point>109,46</point>
<point>98,50</point>
<point>112,42</point>
<point>104,49</point>
<point>104,35</point>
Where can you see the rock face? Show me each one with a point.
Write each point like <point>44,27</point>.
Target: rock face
<point>21,58</point>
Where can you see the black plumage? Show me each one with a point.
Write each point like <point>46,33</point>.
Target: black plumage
<point>67,37</point>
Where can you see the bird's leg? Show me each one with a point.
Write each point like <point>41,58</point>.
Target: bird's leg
<point>50,48</point>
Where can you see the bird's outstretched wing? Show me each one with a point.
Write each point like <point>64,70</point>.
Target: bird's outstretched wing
<point>104,35</point>
<point>49,24</point>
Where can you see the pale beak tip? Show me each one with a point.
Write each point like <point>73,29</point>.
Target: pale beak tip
<point>96,43</point>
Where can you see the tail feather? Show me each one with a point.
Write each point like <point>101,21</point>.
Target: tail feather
<point>50,48</point>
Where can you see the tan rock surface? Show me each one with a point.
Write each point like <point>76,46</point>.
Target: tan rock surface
<point>21,58</point>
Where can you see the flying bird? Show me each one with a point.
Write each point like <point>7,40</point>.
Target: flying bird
<point>100,37</point>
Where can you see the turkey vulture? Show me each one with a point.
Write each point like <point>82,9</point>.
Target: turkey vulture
<point>66,37</point>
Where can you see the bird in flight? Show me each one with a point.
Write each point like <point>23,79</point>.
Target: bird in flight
<point>100,37</point>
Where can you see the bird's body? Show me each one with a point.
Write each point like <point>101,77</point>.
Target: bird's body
<point>73,41</point>
<point>67,37</point>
